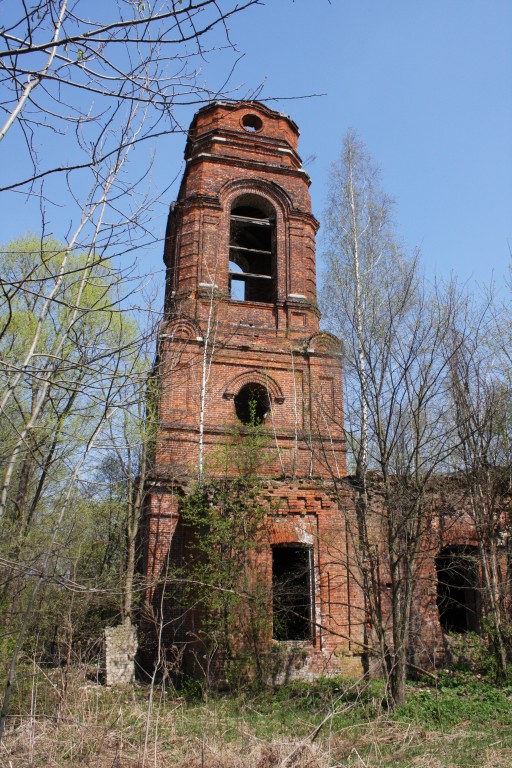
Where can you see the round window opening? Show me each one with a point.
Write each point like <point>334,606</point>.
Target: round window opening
<point>252,404</point>
<point>252,123</point>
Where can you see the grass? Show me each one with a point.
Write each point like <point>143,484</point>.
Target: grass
<point>458,722</point>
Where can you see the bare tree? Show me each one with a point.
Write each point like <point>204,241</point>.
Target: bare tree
<point>358,227</point>
<point>481,399</point>
<point>83,92</point>
<point>393,331</point>
<point>129,452</point>
<point>78,96</point>
<point>63,70</point>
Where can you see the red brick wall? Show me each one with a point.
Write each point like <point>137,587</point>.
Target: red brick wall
<point>278,342</point>
<point>303,512</point>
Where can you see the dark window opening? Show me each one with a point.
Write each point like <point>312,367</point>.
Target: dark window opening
<point>251,255</point>
<point>292,592</point>
<point>457,589</point>
<point>252,404</point>
<point>252,123</point>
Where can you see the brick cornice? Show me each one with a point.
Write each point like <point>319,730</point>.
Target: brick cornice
<point>252,165</point>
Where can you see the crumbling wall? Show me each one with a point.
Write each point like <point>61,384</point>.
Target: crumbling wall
<point>120,650</point>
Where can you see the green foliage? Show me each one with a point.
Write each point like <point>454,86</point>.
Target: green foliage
<point>47,285</point>
<point>470,654</point>
<point>225,517</point>
<point>494,637</point>
<point>323,693</point>
<point>67,356</point>
<point>60,332</point>
<point>457,697</point>
<point>478,654</point>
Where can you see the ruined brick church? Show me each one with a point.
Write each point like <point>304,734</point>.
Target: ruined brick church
<point>241,338</point>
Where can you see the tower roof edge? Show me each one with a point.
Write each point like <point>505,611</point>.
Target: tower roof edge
<point>241,104</point>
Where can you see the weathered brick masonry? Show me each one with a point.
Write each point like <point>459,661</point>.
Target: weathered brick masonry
<point>243,220</point>
<point>241,322</point>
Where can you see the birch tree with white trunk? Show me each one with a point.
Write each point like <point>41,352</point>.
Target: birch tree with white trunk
<point>393,327</point>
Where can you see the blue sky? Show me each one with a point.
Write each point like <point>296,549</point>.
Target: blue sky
<point>426,84</point>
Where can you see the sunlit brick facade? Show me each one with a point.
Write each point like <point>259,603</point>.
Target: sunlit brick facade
<point>241,320</point>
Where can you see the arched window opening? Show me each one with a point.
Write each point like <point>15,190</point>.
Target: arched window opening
<point>251,252</point>
<point>457,589</point>
<point>252,404</point>
<point>292,592</point>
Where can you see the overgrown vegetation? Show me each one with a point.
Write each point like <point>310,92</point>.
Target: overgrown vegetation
<point>457,720</point>
<point>224,518</point>
<point>428,377</point>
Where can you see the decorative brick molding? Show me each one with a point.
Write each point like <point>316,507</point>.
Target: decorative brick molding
<point>254,377</point>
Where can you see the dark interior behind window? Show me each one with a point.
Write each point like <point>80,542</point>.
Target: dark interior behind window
<point>251,255</point>
<point>457,589</point>
<point>292,590</point>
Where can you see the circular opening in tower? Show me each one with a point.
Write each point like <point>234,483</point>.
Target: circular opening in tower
<point>252,404</point>
<point>252,123</point>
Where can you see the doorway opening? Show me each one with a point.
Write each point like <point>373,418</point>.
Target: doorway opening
<point>457,589</point>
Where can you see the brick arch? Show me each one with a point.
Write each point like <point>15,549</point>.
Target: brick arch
<point>270,195</point>
<point>325,343</point>
<point>254,377</point>
<point>253,198</point>
<point>271,192</point>
<point>184,328</point>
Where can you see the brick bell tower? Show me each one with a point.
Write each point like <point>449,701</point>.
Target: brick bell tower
<point>241,326</point>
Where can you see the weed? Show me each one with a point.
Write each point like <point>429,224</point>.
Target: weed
<point>459,721</point>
